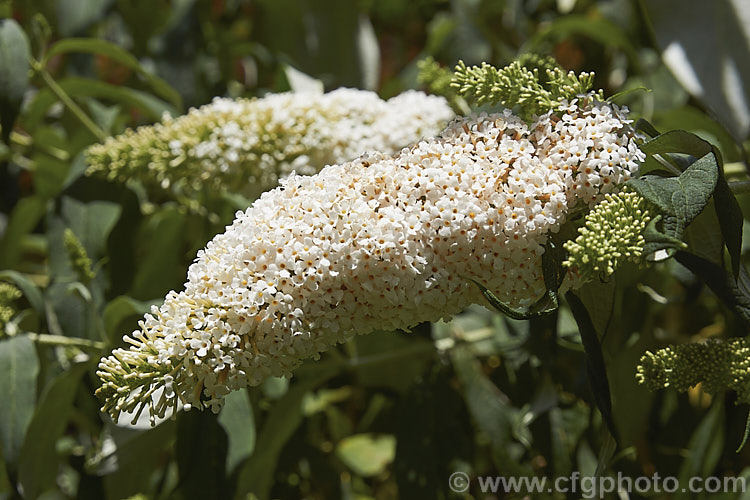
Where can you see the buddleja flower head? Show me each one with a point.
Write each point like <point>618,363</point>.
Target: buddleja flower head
<point>612,235</point>
<point>716,365</point>
<point>245,146</point>
<point>378,243</point>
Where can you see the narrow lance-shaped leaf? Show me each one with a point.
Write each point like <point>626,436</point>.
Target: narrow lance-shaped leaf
<point>595,366</point>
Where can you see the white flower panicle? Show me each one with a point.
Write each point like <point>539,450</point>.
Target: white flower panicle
<point>246,145</point>
<point>377,243</point>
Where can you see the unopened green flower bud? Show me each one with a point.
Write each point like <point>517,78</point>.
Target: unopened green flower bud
<point>79,259</point>
<point>611,235</point>
<point>533,84</point>
<point>8,295</point>
<point>718,366</point>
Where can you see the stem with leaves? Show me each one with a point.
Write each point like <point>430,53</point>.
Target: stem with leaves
<point>69,103</point>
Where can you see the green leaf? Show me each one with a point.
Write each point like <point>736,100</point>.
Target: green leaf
<point>120,55</point>
<point>599,300</point>
<point>91,222</point>
<point>656,240</point>
<point>19,366</point>
<point>677,141</point>
<point>680,199</point>
<point>200,450</point>
<point>720,282</point>
<point>39,461</point>
<point>492,411</point>
<point>595,366</point>
<point>705,445</point>
<point>118,311</point>
<point>237,420</point>
<point>257,474</point>
<point>643,125</point>
<point>138,455</point>
<point>713,66</point>
<point>600,29</point>
<point>160,254</point>
<point>15,54</point>
<point>24,218</point>
<point>432,410</point>
<point>730,221</point>
<point>75,15</point>
<point>29,289</point>
<point>367,455</point>
<point>152,107</point>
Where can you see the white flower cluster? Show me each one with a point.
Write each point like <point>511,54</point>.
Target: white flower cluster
<point>378,243</point>
<point>246,145</point>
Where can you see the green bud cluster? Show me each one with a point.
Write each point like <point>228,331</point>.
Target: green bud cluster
<point>79,259</point>
<point>611,235</point>
<point>533,84</point>
<point>8,295</point>
<point>436,78</point>
<point>716,365</point>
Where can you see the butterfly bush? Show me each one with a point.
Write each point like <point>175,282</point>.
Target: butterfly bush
<point>381,242</point>
<point>244,146</point>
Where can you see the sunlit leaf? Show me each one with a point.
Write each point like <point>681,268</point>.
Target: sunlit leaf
<point>367,454</point>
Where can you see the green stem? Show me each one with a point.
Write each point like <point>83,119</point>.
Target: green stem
<point>63,341</point>
<point>68,101</point>
<point>26,141</point>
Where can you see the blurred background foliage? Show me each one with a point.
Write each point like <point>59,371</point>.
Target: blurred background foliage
<point>387,415</point>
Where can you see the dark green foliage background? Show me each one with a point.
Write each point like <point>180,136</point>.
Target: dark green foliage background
<point>388,415</point>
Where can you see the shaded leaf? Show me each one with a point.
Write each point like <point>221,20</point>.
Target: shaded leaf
<point>39,461</point>
<point>200,451</point>
<point>136,456</point>
<point>29,289</point>
<point>705,445</point>
<point>730,221</point>
<point>720,282</point>
<point>160,254</point>
<point>19,367</point>
<point>117,311</point>
<point>595,365</point>
<point>15,53</point>
<point>75,15</point>
<point>492,412</point>
<point>599,300</point>
<point>24,218</point>
<point>122,56</point>
<point>257,474</point>
<point>152,107</point>
<point>237,420</point>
